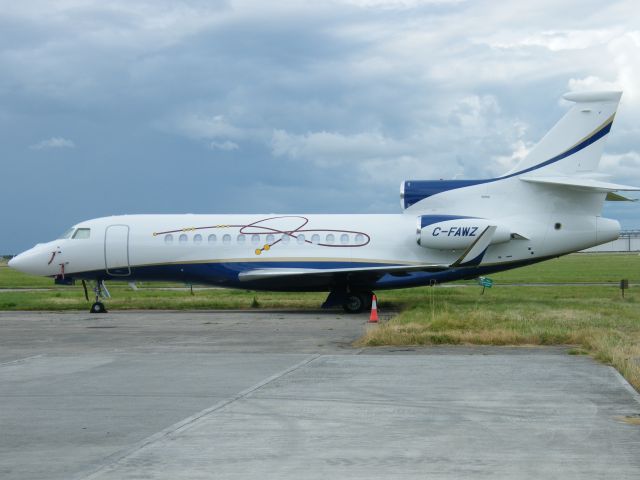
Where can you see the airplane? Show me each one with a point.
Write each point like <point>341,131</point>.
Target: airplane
<point>550,204</point>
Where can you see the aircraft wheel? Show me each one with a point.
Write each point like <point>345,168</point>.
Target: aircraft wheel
<point>355,302</point>
<point>98,307</point>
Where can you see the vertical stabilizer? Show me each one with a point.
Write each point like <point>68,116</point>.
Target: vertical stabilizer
<point>575,143</point>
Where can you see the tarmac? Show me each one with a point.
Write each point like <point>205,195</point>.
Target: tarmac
<point>278,395</point>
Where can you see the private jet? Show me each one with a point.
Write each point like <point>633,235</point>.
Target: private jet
<point>550,204</point>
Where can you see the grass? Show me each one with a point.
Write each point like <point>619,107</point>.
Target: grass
<point>577,268</point>
<point>595,320</point>
<point>72,298</point>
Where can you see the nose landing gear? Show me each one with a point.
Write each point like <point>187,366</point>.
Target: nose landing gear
<point>101,291</point>
<point>98,307</point>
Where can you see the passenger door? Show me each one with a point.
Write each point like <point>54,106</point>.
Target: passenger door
<point>116,250</point>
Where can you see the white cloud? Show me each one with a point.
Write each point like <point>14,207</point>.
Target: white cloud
<point>397,4</point>
<point>625,167</point>
<point>227,145</point>
<point>558,40</point>
<point>197,125</point>
<point>53,142</point>
<point>622,73</point>
<point>460,140</point>
<point>327,149</point>
<point>520,151</point>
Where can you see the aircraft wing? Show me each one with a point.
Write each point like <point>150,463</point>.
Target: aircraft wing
<point>272,273</point>
<point>470,257</point>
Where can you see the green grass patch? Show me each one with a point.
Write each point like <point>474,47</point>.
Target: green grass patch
<point>595,319</point>
<point>577,268</point>
<point>72,298</point>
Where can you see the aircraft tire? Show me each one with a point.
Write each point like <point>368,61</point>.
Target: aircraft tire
<point>98,307</point>
<point>355,302</point>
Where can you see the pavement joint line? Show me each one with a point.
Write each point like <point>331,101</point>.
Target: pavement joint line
<point>21,360</point>
<point>113,460</point>
<point>634,393</point>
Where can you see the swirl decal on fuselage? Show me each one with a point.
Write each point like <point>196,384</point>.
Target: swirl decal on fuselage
<point>268,226</point>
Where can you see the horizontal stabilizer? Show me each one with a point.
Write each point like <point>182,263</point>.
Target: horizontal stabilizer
<point>580,183</point>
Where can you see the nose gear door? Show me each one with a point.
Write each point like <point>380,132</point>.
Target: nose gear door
<point>116,250</point>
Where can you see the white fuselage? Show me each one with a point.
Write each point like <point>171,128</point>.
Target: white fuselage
<point>170,247</point>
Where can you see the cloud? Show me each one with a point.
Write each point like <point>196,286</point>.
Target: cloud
<point>227,146</point>
<point>623,71</point>
<point>398,4</point>
<point>198,125</point>
<point>520,150</point>
<point>558,40</point>
<point>343,99</point>
<point>624,167</point>
<point>327,149</point>
<point>53,142</point>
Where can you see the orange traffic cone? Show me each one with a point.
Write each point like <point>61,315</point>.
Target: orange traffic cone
<point>373,318</point>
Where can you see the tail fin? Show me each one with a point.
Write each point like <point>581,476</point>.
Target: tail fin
<point>575,143</point>
<point>566,158</point>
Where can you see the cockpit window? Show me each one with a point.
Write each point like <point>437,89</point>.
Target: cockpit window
<point>82,233</point>
<point>67,234</point>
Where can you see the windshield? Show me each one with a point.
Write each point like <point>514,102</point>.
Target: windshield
<point>82,233</point>
<point>67,234</point>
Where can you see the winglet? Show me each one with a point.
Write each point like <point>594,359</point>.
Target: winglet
<point>474,254</point>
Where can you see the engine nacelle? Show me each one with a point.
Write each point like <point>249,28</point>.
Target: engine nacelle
<point>444,232</point>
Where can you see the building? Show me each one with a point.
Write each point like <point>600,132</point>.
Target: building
<point>629,241</point>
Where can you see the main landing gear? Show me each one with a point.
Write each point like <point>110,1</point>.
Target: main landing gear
<point>101,291</point>
<point>351,302</point>
<point>357,302</point>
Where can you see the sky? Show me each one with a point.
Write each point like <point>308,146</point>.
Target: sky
<point>290,106</point>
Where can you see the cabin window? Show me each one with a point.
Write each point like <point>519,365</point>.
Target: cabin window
<point>359,239</point>
<point>226,239</point>
<point>212,238</point>
<point>183,238</point>
<point>197,238</point>
<point>66,234</point>
<point>301,239</point>
<point>330,238</point>
<point>270,239</point>
<point>344,239</point>
<point>241,239</point>
<point>255,239</point>
<point>82,233</point>
<point>557,226</point>
<point>315,238</point>
<point>285,238</point>
<point>168,238</point>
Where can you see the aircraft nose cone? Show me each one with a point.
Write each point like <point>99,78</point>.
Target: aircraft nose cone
<point>30,262</point>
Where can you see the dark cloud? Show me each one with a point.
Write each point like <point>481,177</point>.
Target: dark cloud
<point>248,106</point>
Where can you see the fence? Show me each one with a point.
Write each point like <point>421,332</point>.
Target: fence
<point>629,241</point>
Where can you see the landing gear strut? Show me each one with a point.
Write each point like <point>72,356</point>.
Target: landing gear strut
<point>101,292</point>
